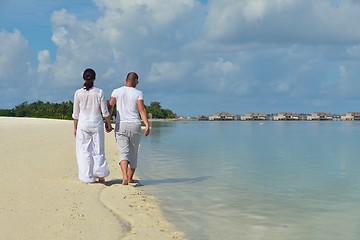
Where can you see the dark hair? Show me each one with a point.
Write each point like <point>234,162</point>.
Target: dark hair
<point>89,76</point>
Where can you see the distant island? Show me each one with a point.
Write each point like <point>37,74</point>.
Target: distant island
<point>283,116</point>
<point>155,112</point>
<point>64,110</point>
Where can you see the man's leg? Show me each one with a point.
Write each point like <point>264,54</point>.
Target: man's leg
<point>122,141</point>
<point>130,173</point>
<point>134,147</point>
<point>124,168</point>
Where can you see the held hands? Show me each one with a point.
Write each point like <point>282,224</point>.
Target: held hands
<point>108,127</point>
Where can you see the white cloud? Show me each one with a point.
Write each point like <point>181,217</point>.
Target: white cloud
<point>17,77</point>
<point>289,21</point>
<point>122,38</point>
<point>255,10</point>
<point>354,51</point>
<point>258,51</point>
<point>44,61</point>
<point>15,56</point>
<point>149,12</point>
<point>62,17</point>
<point>343,72</point>
<point>167,72</point>
<point>348,83</point>
<point>59,36</point>
<point>217,68</point>
<point>224,76</point>
<point>81,44</point>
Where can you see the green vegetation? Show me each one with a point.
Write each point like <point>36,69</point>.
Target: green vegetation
<point>40,109</point>
<point>63,110</point>
<point>156,111</point>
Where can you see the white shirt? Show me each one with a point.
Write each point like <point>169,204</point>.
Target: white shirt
<point>126,104</point>
<point>89,108</point>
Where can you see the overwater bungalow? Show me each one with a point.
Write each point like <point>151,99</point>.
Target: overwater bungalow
<point>319,116</point>
<point>351,116</point>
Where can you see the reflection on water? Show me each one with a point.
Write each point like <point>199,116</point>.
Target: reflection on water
<point>172,180</point>
<point>245,180</point>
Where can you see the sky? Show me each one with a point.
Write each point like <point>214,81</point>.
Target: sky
<point>195,57</point>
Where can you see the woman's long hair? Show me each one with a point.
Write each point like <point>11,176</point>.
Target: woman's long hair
<point>89,76</point>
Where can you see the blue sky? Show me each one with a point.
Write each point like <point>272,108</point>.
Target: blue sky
<point>194,57</point>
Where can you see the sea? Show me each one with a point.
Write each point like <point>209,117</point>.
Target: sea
<point>273,180</point>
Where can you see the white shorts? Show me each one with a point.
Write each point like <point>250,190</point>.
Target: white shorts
<point>128,138</point>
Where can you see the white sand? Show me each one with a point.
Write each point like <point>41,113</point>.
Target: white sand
<point>42,198</point>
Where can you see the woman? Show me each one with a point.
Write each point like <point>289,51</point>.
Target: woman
<point>89,109</point>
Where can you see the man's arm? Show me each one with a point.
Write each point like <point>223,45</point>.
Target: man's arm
<point>108,126</point>
<point>143,114</point>
<point>111,105</point>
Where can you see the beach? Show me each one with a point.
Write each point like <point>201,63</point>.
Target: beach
<point>42,198</point>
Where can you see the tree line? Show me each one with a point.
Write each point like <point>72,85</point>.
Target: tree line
<point>64,110</point>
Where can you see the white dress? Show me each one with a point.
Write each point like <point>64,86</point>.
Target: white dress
<point>89,108</point>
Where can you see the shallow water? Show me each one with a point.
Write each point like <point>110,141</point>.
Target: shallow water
<point>255,180</point>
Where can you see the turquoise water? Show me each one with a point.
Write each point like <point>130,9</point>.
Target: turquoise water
<point>255,180</point>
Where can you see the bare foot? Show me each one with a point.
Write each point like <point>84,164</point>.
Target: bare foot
<point>125,180</point>
<point>101,180</point>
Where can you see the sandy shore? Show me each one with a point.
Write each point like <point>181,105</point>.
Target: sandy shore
<point>42,198</point>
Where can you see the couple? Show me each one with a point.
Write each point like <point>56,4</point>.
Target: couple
<point>89,109</point>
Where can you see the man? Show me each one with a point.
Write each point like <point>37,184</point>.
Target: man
<point>129,104</point>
